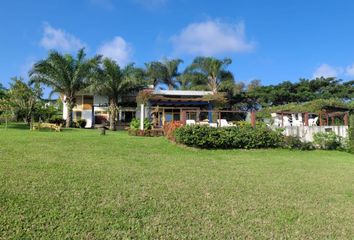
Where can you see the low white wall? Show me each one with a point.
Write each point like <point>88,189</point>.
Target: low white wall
<point>87,115</point>
<point>305,133</point>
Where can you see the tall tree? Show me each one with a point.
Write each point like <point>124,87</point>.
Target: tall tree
<point>172,73</point>
<point>115,82</point>
<point>24,98</point>
<point>66,75</point>
<point>164,72</point>
<point>2,91</point>
<point>214,70</point>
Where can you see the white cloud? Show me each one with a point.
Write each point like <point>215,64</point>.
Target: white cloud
<point>117,49</point>
<point>325,70</point>
<point>350,70</point>
<point>55,38</point>
<point>212,37</point>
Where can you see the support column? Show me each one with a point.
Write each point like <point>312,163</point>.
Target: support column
<point>183,117</point>
<point>327,120</point>
<point>253,118</point>
<point>142,117</point>
<point>210,113</point>
<point>306,119</point>
<point>346,119</point>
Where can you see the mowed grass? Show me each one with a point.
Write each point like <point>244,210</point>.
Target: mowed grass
<point>77,184</point>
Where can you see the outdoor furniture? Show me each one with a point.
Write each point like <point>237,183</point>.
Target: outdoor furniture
<point>276,119</point>
<point>286,121</point>
<point>313,121</point>
<point>215,125</point>
<point>51,126</point>
<point>224,123</point>
<point>297,122</point>
<point>190,122</point>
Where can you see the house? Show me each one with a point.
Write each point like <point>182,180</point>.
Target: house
<point>163,106</point>
<point>177,105</point>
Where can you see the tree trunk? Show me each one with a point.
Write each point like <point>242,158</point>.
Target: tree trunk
<point>69,115</point>
<point>213,83</point>
<point>113,116</point>
<point>170,87</point>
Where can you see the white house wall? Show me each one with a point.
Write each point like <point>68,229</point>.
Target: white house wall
<point>65,111</point>
<point>87,115</point>
<point>305,133</point>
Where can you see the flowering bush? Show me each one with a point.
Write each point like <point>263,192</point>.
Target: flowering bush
<point>170,128</point>
<point>327,140</point>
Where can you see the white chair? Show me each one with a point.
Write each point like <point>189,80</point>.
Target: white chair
<point>276,119</point>
<point>224,123</point>
<point>297,122</point>
<point>286,121</point>
<point>190,122</point>
<point>313,121</point>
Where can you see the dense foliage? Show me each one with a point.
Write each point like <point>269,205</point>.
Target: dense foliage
<point>256,96</point>
<point>327,140</point>
<point>66,74</point>
<point>290,142</point>
<point>114,82</point>
<point>351,134</point>
<point>135,124</point>
<point>314,106</point>
<point>232,137</point>
<point>81,123</point>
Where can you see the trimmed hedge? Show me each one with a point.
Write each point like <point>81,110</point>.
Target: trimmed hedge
<point>244,137</point>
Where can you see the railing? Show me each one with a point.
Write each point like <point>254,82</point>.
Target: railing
<point>216,118</point>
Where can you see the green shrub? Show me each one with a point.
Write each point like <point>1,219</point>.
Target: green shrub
<point>232,137</point>
<point>147,124</point>
<point>291,142</point>
<point>80,123</point>
<point>327,140</point>
<point>135,124</point>
<point>57,120</point>
<point>351,134</point>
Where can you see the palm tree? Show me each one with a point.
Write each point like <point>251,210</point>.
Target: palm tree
<point>114,82</point>
<point>214,71</point>
<point>165,72</point>
<point>172,73</point>
<point>66,75</point>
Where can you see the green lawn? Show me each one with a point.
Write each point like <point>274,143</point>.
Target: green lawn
<point>78,184</point>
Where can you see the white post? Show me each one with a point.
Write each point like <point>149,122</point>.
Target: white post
<point>142,117</point>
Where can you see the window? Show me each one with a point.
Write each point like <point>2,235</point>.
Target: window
<point>88,102</point>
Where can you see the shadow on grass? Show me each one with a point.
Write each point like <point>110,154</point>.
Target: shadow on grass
<point>19,126</point>
<point>24,126</point>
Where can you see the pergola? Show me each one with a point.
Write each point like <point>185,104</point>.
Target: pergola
<point>326,117</point>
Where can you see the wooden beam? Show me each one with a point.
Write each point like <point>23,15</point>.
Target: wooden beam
<point>253,118</point>
<point>346,119</point>
<point>306,119</point>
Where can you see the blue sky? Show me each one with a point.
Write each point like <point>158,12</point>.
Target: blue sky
<point>270,40</point>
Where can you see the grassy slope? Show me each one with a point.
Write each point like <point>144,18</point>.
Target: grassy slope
<point>77,184</point>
